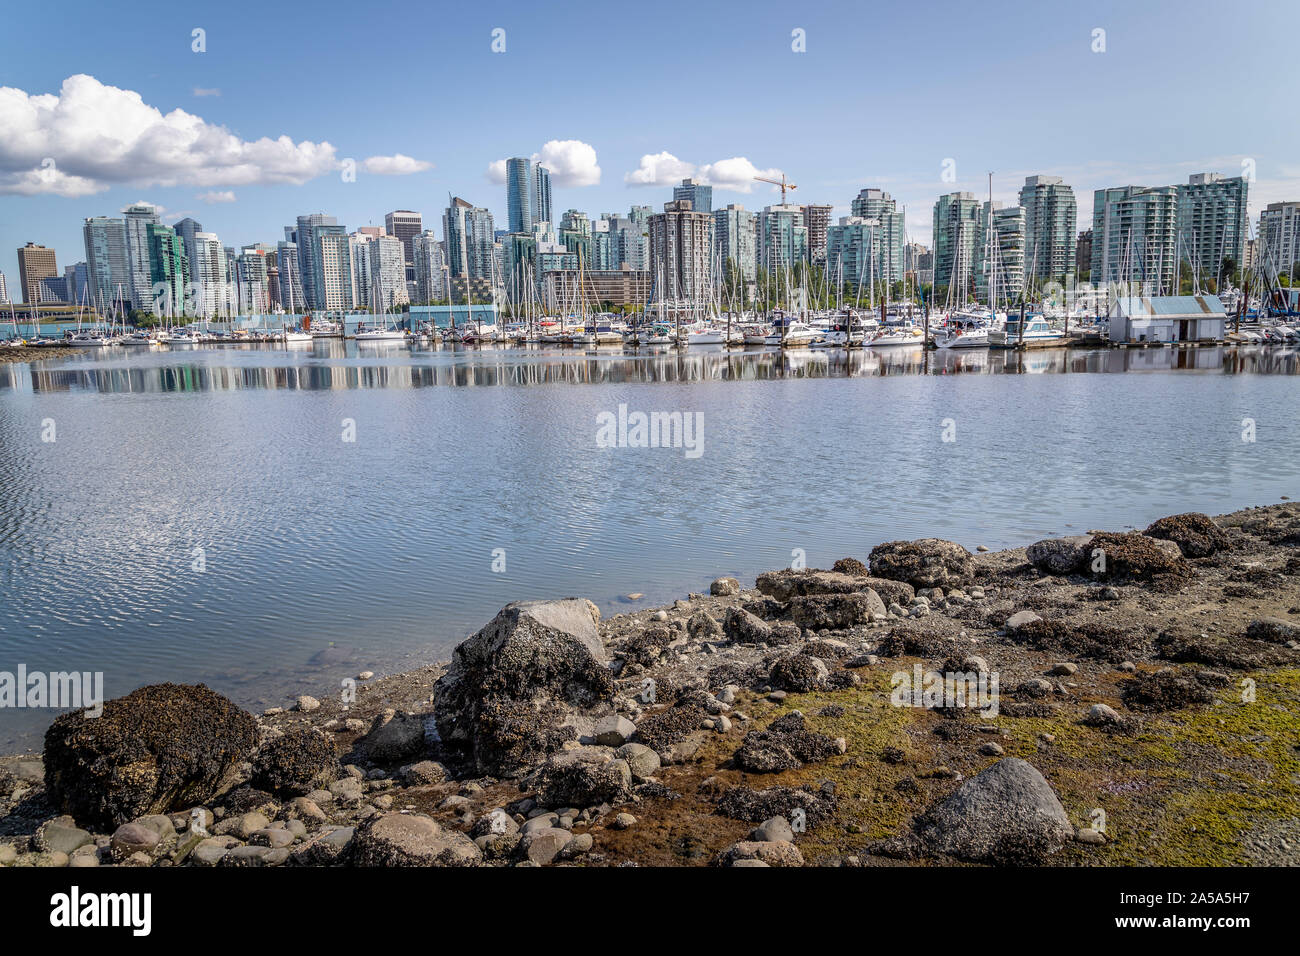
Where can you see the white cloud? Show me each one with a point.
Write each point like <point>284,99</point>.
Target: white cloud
<point>571,163</point>
<point>395,165</point>
<point>659,169</point>
<point>215,196</point>
<point>664,169</point>
<point>96,136</point>
<point>736,174</point>
<point>206,91</point>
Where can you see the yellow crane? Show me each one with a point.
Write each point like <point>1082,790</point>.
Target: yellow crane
<point>778,182</point>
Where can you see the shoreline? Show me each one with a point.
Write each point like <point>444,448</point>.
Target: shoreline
<point>777,702</point>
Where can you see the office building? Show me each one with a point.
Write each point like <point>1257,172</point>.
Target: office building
<point>137,218</point>
<point>405,225</point>
<point>430,269</point>
<point>1135,237</point>
<point>891,229</point>
<point>681,253</point>
<point>1212,223</point>
<point>735,240</point>
<point>35,262</point>
<point>782,238</point>
<point>469,237</point>
<point>1000,254</point>
<point>169,271</point>
<point>108,273</point>
<point>817,219</point>
<point>1051,223</point>
<point>1278,243</point>
<point>955,234</point>
<point>696,193</point>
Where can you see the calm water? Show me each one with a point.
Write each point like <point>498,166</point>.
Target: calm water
<point>321,557</point>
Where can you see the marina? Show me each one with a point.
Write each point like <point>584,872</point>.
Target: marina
<point>320,556</point>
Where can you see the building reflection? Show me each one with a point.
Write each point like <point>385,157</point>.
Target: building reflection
<point>338,365</point>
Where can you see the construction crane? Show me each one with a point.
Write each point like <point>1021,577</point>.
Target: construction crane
<point>778,182</point>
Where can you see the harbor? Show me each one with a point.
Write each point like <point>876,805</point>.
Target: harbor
<point>380,550</point>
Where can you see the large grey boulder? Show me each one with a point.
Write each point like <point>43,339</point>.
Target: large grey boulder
<point>1060,556</point>
<point>787,583</point>
<point>923,563</point>
<point>401,839</point>
<point>836,611</point>
<point>394,736</point>
<point>506,700</point>
<point>1006,815</point>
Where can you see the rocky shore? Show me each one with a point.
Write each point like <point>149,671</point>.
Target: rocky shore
<point>1103,699</point>
<point>9,353</point>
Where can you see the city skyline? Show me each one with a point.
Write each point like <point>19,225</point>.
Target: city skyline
<point>411,153</point>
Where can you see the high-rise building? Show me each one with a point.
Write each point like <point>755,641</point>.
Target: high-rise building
<point>735,239</point>
<point>4,289</point>
<point>138,217</point>
<point>542,194</point>
<point>853,252</point>
<point>1278,243</point>
<point>363,283</point>
<point>211,276</point>
<point>324,262</point>
<point>76,281</point>
<point>333,262</point>
<point>186,229</point>
<point>698,194</point>
<point>469,236</point>
<point>1135,236</point>
<point>817,218</point>
<point>308,250</point>
<point>575,233</point>
<point>955,234</point>
<point>782,238</point>
<point>521,194</point>
<point>53,289</point>
<point>1000,254</point>
<point>681,253</point>
<point>169,271</point>
<point>35,262</point>
<point>430,270</point>
<point>109,274</point>
<point>405,225</point>
<point>291,295</point>
<point>1051,218</point>
<point>891,228</point>
<point>252,283</point>
<point>1083,253</point>
<point>1212,224</point>
<point>387,273</point>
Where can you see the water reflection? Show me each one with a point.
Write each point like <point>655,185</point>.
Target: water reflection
<point>337,365</point>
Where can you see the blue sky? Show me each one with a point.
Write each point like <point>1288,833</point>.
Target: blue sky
<point>883,95</point>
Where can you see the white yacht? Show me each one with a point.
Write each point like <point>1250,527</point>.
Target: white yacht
<point>1038,333</point>
<point>90,339</point>
<point>896,335</point>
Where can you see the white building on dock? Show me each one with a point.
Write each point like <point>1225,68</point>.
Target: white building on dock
<point>1167,319</point>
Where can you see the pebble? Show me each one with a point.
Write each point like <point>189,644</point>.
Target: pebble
<point>991,749</point>
<point>1064,670</point>
<point>307,704</point>
<point>623,821</point>
<point>365,675</point>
